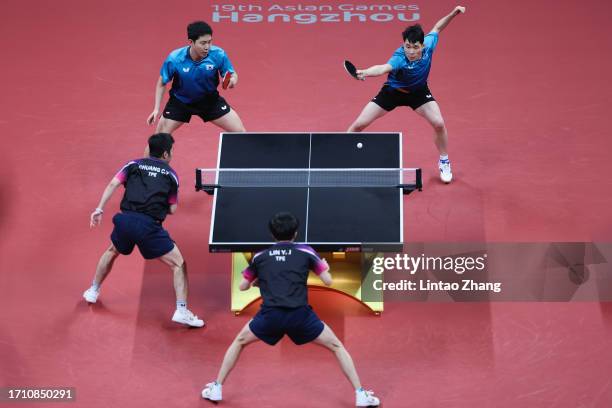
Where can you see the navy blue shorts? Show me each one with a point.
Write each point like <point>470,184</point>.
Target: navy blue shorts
<point>390,98</point>
<point>302,325</point>
<point>211,108</point>
<point>139,229</point>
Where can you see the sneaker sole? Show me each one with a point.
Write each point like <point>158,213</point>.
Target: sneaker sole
<point>212,400</point>
<point>215,401</point>
<point>187,324</point>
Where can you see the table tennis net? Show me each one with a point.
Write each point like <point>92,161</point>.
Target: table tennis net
<point>347,177</point>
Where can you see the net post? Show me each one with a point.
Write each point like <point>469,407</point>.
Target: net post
<point>419,179</point>
<point>198,176</point>
<point>207,188</point>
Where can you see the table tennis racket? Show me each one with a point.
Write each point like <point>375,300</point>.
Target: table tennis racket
<point>226,80</point>
<point>350,68</point>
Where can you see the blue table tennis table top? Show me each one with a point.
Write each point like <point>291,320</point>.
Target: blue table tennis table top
<point>331,218</point>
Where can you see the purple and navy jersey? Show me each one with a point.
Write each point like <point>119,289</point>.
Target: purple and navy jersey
<point>411,75</point>
<point>151,187</point>
<point>193,81</point>
<point>282,271</point>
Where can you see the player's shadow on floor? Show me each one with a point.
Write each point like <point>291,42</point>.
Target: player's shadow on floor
<point>16,368</point>
<point>452,212</point>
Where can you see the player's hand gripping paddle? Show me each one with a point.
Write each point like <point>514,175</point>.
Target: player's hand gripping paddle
<point>226,80</point>
<point>350,68</point>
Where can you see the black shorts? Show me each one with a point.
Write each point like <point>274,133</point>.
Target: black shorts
<point>302,325</point>
<point>389,98</point>
<point>210,108</point>
<point>139,229</point>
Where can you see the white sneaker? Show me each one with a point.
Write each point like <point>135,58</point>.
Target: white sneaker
<point>366,399</point>
<point>446,175</point>
<point>91,295</point>
<point>188,318</point>
<point>212,391</point>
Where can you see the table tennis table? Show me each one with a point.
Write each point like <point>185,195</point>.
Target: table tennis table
<point>334,217</point>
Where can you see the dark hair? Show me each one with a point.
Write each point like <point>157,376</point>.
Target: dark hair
<point>197,29</point>
<point>283,226</point>
<point>414,34</point>
<point>160,143</point>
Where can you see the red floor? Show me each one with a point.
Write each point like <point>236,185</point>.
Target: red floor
<point>524,90</point>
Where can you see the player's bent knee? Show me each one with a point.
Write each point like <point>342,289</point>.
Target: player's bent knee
<point>174,260</point>
<point>358,126</point>
<point>335,344</point>
<point>113,251</point>
<point>238,128</point>
<point>243,339</point>
<point>161,126</point>
<point>438,124</point>
<point>167,126</point>
<point>330,341</point>
<point>177,265</point>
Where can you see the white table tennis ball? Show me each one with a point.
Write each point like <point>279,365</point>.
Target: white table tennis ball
<point>359,145</point>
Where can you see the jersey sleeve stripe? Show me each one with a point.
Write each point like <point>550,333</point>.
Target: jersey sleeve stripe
<point>248,274</point>
<point>308,250</point>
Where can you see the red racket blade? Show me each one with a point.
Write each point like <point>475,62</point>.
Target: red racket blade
<point>226,80</point>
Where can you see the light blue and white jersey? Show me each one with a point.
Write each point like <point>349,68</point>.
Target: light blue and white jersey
<point>408,74</point>
<point>191,80</point>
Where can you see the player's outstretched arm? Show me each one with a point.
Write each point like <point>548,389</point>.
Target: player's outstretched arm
<point>374,71</point>
<point>96,216</point>
<point>160,88</point>
<point>441,25</point>
<point>233,80</point>
<point>325,276</point>
<point>246,284</point>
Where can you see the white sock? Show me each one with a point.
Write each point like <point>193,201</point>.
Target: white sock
<point>95,286</point>
<point>443,158</point>
<point>181,305</point>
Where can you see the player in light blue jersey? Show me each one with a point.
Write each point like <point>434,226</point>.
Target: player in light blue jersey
<point>194,71</point>
<point>406,85</point>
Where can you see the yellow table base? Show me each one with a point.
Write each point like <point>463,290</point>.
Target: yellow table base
<point>345,269</point>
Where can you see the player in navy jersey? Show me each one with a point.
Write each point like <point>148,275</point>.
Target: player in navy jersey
<point>406,85</point>
<point>194,71</point>
<point>151,192</point>
<point>281,272</point>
